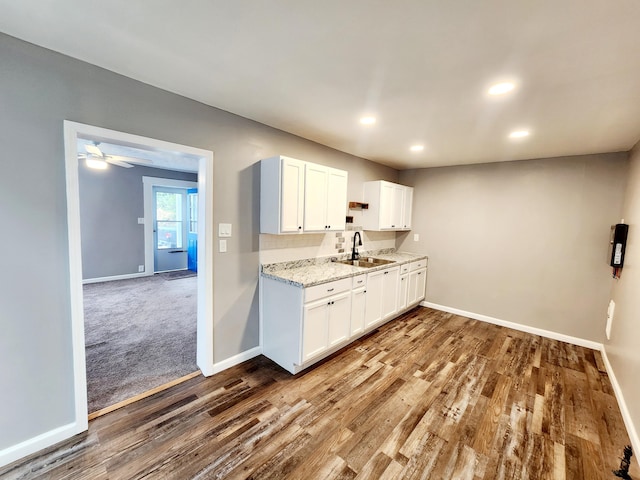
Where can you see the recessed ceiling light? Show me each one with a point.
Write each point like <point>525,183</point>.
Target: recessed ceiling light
<point>368,120</point>
<point>417,148</point>
<point>519,134</point>
<point>501,88</point>
<point>96,163</point>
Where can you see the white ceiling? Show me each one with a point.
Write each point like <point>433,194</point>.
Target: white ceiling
<point>421,67</point>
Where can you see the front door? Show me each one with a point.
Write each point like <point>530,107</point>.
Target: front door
<point>170,232</point>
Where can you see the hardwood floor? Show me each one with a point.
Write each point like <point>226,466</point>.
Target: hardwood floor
<point>430,395</point>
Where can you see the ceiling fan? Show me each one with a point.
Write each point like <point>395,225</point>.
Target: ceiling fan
<point>95,158</point>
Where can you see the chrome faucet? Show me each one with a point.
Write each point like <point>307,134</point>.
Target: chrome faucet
<point>354,252</point>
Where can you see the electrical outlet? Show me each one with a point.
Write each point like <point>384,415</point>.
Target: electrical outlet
<point>223,246</point>
<point>140,221</point>
<point>140,268</point>
<point>610,310</point>
<point>416,237</point>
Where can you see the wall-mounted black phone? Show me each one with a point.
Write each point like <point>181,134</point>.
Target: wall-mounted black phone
<point>618,244</point>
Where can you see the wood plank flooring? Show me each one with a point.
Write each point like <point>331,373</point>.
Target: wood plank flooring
<point>430,395</point>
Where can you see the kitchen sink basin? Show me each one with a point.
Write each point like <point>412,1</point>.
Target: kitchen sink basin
<point>366,262</point>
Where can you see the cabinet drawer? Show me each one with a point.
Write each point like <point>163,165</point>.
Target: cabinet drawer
<point>418,264</point>
<point>404,268</point>
<point>359,281</point>
<point>325,289</point>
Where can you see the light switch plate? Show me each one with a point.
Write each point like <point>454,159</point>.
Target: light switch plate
<point>140,220</point>
<point>223,246</point>
<point>224,230</point>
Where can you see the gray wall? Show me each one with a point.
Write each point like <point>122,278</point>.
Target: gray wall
<point>110,203</point>
<point>522,241</point>
<point>40,89</point>
<point>623,350</point>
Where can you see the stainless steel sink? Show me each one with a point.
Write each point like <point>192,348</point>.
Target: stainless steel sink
<point>366,262</point>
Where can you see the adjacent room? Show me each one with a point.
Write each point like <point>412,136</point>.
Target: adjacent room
<point>139,319</point>
<point>404,246</point>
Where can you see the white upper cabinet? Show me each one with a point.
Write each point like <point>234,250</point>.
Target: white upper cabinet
<point>325,198</point>
<point>390,206</point>
<point>336,199</point>
<point>407,209</point>
<point>298,196</point>
<point>281,195</point>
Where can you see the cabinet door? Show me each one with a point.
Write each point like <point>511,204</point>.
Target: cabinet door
<point>417,284</point>
<point>407,207</point>
<point>358,303</point>
<point>373,309</point>
<point>314,329</point>
<point>421,284</point>
<point>387,192</point>
<point>411,296</point>
<point>315,197</point>
<point>403,290</point>
<point>339,318</point>
<point>390,292</point>
<point>291,195</point>
<point>336,199</point>
<point>397,206</point>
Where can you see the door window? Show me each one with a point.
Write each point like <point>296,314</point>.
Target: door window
<point>170,222</point>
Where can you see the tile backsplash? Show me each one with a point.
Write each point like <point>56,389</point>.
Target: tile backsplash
<point>284,248</point>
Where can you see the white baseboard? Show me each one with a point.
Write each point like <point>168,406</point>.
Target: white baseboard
<point>35,444</point>
<point>581,342</point>
<point>116,277</point>
<point>626,416</point>
<point>235,360</point>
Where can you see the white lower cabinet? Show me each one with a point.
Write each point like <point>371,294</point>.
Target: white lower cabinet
<point>373,308</point>
<point>303,325</point>
<point>339,318</point>
<point>417,285</point>
<point>315,333</point>
<point>403,290</point>
<point>325,324</point>
<point>390,279</point>
<point>382,296</point>
<point>358,304</point>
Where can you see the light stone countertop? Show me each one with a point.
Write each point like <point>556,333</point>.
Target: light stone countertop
<point>307,273</point>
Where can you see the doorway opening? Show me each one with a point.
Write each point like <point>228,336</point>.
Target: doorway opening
<point>194,219</point>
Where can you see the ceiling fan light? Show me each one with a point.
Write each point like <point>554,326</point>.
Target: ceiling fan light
<point>96,163</point>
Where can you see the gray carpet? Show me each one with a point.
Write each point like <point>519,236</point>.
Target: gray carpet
<point>139,334</point>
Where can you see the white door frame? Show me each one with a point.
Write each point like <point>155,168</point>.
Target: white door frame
<point>148,184</point>
<point>204,360</point>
